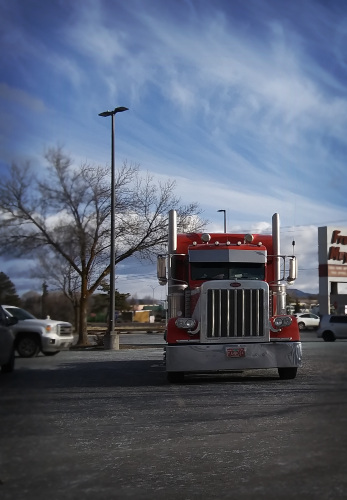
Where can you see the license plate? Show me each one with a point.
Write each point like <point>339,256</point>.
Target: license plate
<point>235,352</point>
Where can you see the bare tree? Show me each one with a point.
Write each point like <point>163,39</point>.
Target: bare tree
<point>66,213</point>
<point>52,267</point>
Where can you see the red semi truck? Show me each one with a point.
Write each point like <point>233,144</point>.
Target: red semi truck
<point>227,303</point>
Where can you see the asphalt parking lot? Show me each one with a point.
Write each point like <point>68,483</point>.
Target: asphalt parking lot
<point>106,424</point>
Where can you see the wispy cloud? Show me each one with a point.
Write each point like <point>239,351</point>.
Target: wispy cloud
<point>21,98</point>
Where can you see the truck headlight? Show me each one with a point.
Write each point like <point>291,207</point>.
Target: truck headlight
<point>281,321</point>
<point>186,323</point>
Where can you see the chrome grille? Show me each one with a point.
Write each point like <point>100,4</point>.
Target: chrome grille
<point>235,313</point>
<point>64,330</point>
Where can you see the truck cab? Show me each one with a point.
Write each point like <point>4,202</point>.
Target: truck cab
<point>227,311</point>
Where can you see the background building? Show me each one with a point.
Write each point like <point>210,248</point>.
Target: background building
<point>332,259</point>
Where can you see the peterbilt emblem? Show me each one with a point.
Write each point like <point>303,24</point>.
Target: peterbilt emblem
<point>235,284</point>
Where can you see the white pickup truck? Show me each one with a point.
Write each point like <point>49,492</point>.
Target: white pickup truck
<point>33,335</point>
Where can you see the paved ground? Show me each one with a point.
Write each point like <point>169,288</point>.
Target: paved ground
<point>107,425</point>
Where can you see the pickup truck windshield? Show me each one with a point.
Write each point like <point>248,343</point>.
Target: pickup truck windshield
<point>19,313</point>
<point>227,270</point>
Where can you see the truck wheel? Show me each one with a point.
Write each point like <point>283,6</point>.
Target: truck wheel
<point>175,377</point>
<point>9,366</point>
<point>329,337</point>
<point>27,346</point>
<point>46,353</point>
<point>287,373</point>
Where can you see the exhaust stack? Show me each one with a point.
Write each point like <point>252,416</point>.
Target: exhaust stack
<point>278,289</point>
<point>172,243</point>
<point>276,245</point>
<point>175,288</point>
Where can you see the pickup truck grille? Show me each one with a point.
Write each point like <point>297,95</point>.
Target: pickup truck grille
<point>236,313</point>
<point>65,330</point>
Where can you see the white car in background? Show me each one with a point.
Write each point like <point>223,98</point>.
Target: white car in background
<point>307,321</point>
<point>332,327</point>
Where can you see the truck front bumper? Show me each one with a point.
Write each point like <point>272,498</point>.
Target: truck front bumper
<point>201,358</point>
<point>53,343</point>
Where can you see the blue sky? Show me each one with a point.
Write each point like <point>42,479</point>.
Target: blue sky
<point>243,102</point>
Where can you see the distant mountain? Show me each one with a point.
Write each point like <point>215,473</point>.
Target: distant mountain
<point>294,293</point>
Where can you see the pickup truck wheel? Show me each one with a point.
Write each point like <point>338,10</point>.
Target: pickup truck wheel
<point>27,346</point>
<point>287,373</point>
<point>9,366</point>
<point>46,353</point>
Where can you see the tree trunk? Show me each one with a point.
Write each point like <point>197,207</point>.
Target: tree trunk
<point>76,312</point>
<point>82,327</point>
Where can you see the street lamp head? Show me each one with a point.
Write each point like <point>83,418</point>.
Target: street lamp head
<point>220,210</point>
<point>120,109</point>
<point>112,113</point>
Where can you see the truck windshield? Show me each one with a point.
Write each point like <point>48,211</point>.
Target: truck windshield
<point>227,270</point>
<point>19,313</point>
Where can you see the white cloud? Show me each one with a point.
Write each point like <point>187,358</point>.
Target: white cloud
<point>21,98</point>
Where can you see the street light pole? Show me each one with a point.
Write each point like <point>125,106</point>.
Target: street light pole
<point>225,219</point>
<point>111,340</point>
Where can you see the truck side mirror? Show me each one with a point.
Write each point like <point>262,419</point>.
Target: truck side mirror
<point>11,321</point>
<point>161,269</point>
<point>293,269</point>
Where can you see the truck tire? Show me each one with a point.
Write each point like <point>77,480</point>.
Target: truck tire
<point>287,373</point>
<point>9,366</point>
<point>175,377</point>
<point>328,336</point>
<point>27,346</point>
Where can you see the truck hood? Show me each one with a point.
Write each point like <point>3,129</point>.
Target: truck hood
<point>42,322</point>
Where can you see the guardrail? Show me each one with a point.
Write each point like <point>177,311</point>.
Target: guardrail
<point>128,328</point>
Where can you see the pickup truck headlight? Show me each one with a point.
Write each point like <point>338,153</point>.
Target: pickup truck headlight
<point>50,328</point>
<point>185,323</point>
